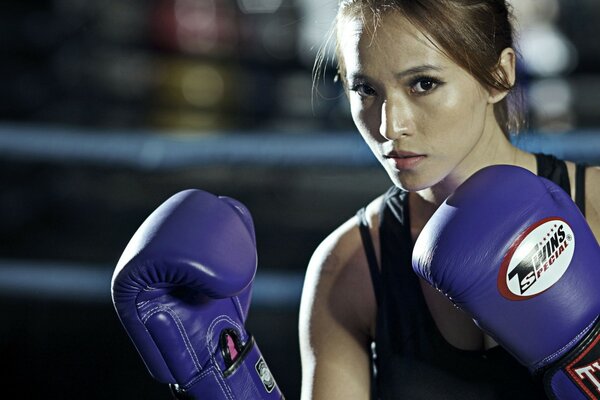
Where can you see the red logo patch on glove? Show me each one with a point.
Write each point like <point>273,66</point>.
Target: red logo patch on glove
<point>537,259</point>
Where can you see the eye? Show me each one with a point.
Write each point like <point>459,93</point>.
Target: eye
<point>424,85</point>
<point>363,90</point>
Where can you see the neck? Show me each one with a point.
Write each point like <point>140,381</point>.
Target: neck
<point>492,149</point>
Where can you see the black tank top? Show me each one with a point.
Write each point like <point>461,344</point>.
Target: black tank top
<point>411,358</point>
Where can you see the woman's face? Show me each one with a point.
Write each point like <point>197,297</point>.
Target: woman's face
<point>425,118</point>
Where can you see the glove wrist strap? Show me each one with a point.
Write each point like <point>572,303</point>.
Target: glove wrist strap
<point>577,375</point>
<point>247,377</point>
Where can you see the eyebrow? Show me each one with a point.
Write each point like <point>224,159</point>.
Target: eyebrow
<point>402,74</point>
<point>417,70</point>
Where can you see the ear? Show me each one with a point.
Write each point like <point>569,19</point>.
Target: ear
<point>505,72</point>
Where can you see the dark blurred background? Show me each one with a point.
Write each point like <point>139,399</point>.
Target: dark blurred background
<point>109,107</point>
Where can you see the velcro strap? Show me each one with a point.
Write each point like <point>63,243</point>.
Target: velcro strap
<point>577,375</point>
<point>247,377</point>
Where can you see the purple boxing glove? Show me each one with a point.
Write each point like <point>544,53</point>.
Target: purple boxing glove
<point>182,291</point>
<point>513,250</point>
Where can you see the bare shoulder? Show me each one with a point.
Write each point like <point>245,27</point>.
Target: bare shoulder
<point>337,280</point>
<point>592,199</point>
<point>592,195</point>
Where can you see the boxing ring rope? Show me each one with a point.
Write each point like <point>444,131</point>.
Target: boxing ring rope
<point>160,151</point>
<point>152,150</point>
<point>91,283</point>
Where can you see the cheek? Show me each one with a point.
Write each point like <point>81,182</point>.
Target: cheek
<point>366,119</point>
<point>458,118</point>
<point>355,110</point>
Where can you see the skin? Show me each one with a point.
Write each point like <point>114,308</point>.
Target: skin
<point>405,96</point>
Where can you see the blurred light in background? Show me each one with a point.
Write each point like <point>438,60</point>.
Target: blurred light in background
<point>202,27</point>
<point>202,86</point>
<point>546,52</point>
<point>315,27</point>
<point>259,6</point>
<point>548,57</point>
<point>196,25</point>
<point>278,38</point>
<point>533,12</point>
<point>221,64</point>
<point>551,102</point>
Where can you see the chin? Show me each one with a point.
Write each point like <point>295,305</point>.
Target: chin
<point>410,183</point>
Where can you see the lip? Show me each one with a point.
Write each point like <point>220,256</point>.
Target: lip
<point>405,159</point>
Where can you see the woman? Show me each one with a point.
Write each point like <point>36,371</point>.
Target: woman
<point>428,83</point>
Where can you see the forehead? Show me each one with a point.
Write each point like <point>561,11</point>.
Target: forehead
<point>392,40</point>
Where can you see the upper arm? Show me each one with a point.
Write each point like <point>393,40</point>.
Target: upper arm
<point>592,199</point>
<point>335,319</point>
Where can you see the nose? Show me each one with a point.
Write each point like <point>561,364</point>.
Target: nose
<point>394,120</point>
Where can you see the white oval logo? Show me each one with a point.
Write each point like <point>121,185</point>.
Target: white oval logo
<point>537,259</point>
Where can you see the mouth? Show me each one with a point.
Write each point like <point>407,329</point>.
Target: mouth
<point>402,154</point>
<point>404,160</point>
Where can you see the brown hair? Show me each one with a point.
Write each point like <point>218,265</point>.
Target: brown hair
<point>472,33</point>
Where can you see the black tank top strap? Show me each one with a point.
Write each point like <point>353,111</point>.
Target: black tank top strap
<point>580,186</point>
<point>369,248</point>
<point>553,169</point>
<point>367,241</point>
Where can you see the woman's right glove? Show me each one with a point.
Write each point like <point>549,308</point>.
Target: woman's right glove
<point>182,291</point>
